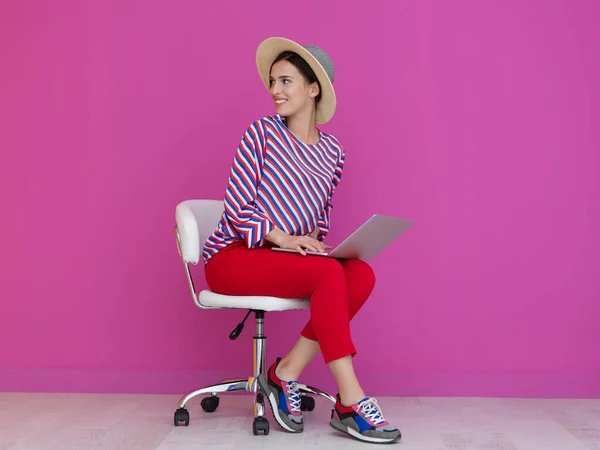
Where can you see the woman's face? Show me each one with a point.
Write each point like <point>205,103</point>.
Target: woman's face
<point>290,91</point>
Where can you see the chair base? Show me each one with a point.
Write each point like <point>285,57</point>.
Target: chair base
<point>210,403</point>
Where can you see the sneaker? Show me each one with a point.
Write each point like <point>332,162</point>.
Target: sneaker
<point>363,421</point>
<point>284,398</point>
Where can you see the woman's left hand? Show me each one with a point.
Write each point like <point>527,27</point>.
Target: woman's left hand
<point>315,235</point>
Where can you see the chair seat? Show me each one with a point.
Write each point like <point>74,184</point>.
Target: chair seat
<point>211,299</point>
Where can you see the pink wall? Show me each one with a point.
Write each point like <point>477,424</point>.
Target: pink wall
<point>479,120</point>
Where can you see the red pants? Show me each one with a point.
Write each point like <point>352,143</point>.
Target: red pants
<point>336,289</point>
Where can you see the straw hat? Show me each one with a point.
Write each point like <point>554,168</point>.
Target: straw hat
<point>318,60</point>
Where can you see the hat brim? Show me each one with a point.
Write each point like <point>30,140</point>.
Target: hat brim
<point>270,49</point>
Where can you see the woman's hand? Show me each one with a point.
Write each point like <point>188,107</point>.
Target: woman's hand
<point>302,243</point>
<point>299,243</point>
<point>315,233</point>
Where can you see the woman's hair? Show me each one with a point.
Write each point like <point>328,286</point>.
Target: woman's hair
<point>302,66</point>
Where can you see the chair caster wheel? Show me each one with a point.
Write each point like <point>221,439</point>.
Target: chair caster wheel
<point>210,404</point>
<point>307,403</point>
<point>260,424</point>
<point>181,415</point>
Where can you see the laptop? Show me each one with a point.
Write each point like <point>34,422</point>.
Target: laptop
<point>367,241</point>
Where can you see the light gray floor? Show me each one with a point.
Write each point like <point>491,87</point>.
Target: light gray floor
<point>135,422</point>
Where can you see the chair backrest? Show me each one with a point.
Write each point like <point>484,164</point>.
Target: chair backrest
<point>196,221</point>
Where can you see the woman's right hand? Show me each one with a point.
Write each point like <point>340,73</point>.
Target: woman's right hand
<point>299,243</point>
<point>302,243</point>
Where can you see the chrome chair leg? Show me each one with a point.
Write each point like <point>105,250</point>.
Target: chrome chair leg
<point>259,363</point>
<point>312,390</point>
<point>228,386</point>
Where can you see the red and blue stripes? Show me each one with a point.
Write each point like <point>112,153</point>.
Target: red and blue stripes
<point>277,181</point>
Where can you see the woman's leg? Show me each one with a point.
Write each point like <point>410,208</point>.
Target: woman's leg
<point>360,281</point>
<point>241,271</point>
<point>349,388</point>
<point>294,363</point>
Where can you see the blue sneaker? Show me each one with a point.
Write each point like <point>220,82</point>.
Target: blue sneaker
<point>284,398</point>
<point>363,421</point>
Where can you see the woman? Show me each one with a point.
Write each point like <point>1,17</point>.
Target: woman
<point>279,194</point>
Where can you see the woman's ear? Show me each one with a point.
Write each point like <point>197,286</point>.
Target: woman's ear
<point>313,90</point>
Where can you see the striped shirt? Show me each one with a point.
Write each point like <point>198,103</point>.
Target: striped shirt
<point>277,181</point>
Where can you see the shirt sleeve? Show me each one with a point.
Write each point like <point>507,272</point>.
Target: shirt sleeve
<point>243,215</point>
<point>323,222</point>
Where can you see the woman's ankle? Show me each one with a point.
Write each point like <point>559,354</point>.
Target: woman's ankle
<point>285,372</point>
<point>351,398</point>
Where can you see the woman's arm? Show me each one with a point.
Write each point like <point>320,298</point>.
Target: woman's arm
<point>240,208</point>
<point>240,198</point>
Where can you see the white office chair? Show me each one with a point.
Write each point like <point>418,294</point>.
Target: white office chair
<point>196,221</point>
